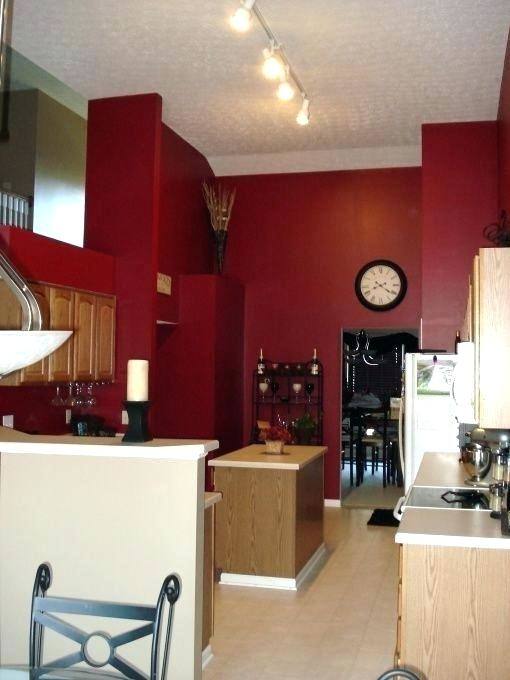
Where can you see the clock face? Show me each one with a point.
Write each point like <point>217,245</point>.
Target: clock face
<point>380,285</point>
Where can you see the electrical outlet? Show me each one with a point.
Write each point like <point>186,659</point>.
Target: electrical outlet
<point>8,421</point>
<point>68,416</point>
<point>124,418</point>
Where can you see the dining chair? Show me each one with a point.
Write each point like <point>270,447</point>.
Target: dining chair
<point>43,616</point>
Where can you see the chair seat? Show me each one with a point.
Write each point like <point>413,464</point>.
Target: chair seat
<point>372,441</point>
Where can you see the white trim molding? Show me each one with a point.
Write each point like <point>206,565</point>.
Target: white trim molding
<point>332,503</point>
<point>317,161</point>
<point>207,656</point>
<point>250,580</point>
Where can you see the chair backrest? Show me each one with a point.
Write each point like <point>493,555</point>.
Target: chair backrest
<point>43,616</point>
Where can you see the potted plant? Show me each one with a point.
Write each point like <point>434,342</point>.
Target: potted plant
<point>276,437</point>
<point>304,428</point>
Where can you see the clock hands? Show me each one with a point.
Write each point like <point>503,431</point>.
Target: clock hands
<point>381,286</point>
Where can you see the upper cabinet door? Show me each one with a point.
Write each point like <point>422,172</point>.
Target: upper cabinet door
<point>84,336</point>
<point>105,338</point>
<point>37,373</point>
<point>494,337</point>
<point>62,319</point>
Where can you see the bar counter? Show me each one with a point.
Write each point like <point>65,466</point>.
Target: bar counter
<point>269,526</point>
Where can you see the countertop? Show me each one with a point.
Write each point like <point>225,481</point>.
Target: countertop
<point>449,527</point>
<point>13,441</point>
<point>254,456</point>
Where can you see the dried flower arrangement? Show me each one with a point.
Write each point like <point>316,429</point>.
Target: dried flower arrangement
<point>219,201</point>
<point>276,433</point>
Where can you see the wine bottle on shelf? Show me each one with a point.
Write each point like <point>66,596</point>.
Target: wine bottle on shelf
<point>261,364</point>
<point>314,365</point>
<point>457,340</point>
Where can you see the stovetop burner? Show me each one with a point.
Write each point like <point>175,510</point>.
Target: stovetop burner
<point>463,499</point>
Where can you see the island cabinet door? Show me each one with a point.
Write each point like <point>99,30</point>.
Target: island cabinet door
<point>61,319</point>
<point>84,336</point>
<point>105,338</point>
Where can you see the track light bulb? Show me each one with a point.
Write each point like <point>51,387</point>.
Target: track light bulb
<point>285,91</point>
<point>240,21</point>
<point>303,117</point>
<point>272,68</point>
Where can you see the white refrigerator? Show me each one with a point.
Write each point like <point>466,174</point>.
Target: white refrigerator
<point>438,394</point>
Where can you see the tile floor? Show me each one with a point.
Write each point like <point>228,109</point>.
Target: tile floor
<point>339,626</point>
<point>370,494</point>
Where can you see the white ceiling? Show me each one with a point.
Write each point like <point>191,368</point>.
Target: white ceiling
<point>375,71</point>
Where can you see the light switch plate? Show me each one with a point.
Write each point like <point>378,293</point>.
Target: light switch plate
<point>124,418</point>
<point>164,284</point>
<point>8,421</point>
<point>68,416</point>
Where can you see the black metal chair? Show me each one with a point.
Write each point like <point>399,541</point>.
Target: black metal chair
<point>42,616</point>
<point>399,673</point>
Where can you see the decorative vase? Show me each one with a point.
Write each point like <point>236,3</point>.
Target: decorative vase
<point>220,240</point>
<point>275,446</point>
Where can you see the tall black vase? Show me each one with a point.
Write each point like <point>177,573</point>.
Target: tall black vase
<point>220,241</point>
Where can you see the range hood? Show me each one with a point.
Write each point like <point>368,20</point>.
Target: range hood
<point>30,344</point>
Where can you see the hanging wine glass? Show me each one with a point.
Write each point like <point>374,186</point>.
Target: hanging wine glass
<point>296,388</point>
<point>263,387</point>
<point>309,387</point>
<point>70,400</point>
<point>90,400</point>
<point>57,399</point>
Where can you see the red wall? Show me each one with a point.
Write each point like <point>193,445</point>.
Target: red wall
<point>504,136</point>
<point>460,197</point>
<point>122,212</point>
<point>297,242</point>
<point>184,231</point>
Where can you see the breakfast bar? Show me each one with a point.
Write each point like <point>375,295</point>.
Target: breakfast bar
<point>269,526</point>
<point>112,520</point>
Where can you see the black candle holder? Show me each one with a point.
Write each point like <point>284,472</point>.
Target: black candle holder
<point>138,428</point>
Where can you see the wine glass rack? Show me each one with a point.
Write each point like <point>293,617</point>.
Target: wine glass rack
<point>280,402</point>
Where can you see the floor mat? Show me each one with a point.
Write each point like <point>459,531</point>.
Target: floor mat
<point>383,518</point>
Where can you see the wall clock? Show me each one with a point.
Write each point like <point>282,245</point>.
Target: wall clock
<point>380,285</point>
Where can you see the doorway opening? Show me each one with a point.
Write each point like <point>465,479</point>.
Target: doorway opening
<point>371,386</point>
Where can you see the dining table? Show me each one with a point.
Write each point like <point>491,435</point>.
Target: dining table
<point>359,418</point>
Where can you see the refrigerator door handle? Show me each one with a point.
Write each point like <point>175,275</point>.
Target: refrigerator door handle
<point>397,510</point>
<point>401,436</point>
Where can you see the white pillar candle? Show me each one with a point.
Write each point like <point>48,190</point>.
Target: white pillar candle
<point>138,380</point>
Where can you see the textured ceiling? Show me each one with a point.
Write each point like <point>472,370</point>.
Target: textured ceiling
<point>375,69</point>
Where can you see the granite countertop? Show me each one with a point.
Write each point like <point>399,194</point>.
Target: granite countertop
<point>254,456</point>
<point>448,527</point>
<point>13,441</point>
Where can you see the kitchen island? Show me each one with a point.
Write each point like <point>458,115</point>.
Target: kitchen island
<point>269,525</point>
<point>454,584</point>
<point>112,520</point>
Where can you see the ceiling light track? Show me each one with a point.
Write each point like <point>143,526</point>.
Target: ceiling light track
<point>276,63</point>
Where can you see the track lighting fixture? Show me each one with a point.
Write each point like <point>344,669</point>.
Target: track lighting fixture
<point>303,117</point>
<point>240,21</point>
<point>276,65</point>
<point>273,67</point>
<point>285,91</point>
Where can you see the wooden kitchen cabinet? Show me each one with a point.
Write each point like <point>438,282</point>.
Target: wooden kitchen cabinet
<point>90,352</point>
<point>491,335</point>
<point>37,374</point>
<point>85,321</point>
<point>105,338</point>
<point>453,603</point>
<point>61,319</point>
